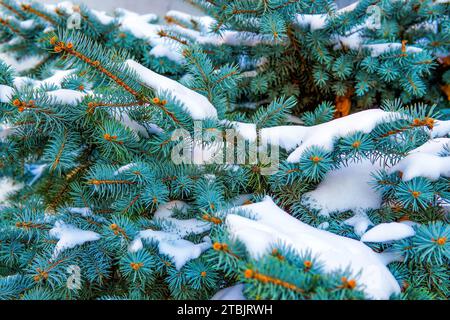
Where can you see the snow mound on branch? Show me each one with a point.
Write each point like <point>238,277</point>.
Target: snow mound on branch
<point>141,27</point>
<point>425,161</point>
<point>345,188</point>
<point>314,21</point>
<point>67,96</point>
<point>385,232</point>
<point>172,245</point>
<point>26,63</point>
<point>230,293</point>
<point>441,129</point>
<point>6,93</point>
<point>56,79</point>
<point>70,236</point>
<point>323,135</point>
<point>380,48</point>
<point>272,225</point>
<point>433,146</point>
<point>179,226</point>
<point>8,186</point>
<point>194,103</point>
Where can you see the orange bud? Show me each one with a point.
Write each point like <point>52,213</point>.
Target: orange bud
<point>315,159</point>
<point>248,274</point>
<point>441,241</point>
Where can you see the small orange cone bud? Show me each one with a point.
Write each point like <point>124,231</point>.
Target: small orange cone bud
<point>248,274</point>
<point>356,144</point>
<point>53,40</point>
<point>416,194</point>
<point>315,159</point>
<point>217,246</point>
<point>156,100</point>
<point>136,265</point>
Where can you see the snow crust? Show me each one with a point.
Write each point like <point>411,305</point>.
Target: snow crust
<point>8,186</point>
<point>314,21</point>
<point>194,103</point>
<point>323,135</point>
<point>179,226</point>
<point>425,161</point>
<point>67,96</point>
<point>272,225</point>
<point>70,236</point>
<point>441,129</point>
<point>172,245</point>
<point>6,93</point>
<point>385,232</point>
<point>346,188</point>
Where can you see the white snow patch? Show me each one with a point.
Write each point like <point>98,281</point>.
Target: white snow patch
<point>345,188</point>
<point>441,128</point>
<point>8,186</point>
<point>314,21</point>
<point>385,232</point>
<point>66,96</point>
<point>6,93</point>
<point>194,103</point>
<point>180,227</point>
<point>172,245</point>
<point>70,236</point>
<point>380,48</point>
<point>423,165</point>
<point>272,225</point>
<point>360,222</point>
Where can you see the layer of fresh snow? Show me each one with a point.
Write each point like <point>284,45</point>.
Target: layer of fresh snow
<point>230,293</point>
<point>345,188</point>
<point>8,186</point>
<point>172,245</point>
<point>272,226</point>
<point>70,236</point>
<point>423,165</point>
<point>380,48</point>
<point>26,63</point>
<point>322,135</point>
<point>227,37</point>
<point>194,103</point>
<point>66,96</point>
<point>385,232</point>
<point>55,80</point>
<point>141,27</point>
<point>6,93</point>
<point>103,17</point>
<point>433,146</point>
<point>179,226</point>
<point>360,222</point>
<point>425,161</point>
<point>314,21</point>
<point>441,129</point>
<point>203,23</point>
